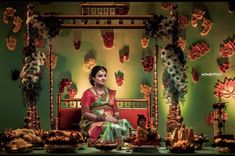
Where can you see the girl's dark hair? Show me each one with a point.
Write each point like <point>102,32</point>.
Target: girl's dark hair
<point>93,73</point>
<point>141,117</point>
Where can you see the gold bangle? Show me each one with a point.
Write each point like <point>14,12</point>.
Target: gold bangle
<point>116,116</point>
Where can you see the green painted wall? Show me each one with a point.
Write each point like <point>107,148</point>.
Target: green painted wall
<point>70,64</point>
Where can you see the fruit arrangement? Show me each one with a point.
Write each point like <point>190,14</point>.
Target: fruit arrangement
<point>198,50</point>
<point>90,63</point>
<point>198,141</point>
<point>62,141</point>
<point>147,63</point>
<point>145,89</point>
<point>119,77</point>
<point>108,39</point>
<point>224,143</point>
<point>21,140</point>
<point>181,140</point>
<point>123,56</point>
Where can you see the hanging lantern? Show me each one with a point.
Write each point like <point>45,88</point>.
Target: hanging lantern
<point>225,89</point>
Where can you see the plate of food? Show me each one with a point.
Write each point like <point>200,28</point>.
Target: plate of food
<point>18,145</point>
<point>18,150</point>
<point>59,148</point>
<point>105,147</point>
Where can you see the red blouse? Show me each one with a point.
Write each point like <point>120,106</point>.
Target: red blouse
<point>89,97</point>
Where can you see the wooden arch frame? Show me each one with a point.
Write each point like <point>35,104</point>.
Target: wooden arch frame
<point>153,118</point>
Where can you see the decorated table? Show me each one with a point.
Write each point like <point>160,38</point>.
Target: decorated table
<point>93,151</point>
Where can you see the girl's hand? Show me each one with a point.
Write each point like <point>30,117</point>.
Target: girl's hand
<point>111,119</point>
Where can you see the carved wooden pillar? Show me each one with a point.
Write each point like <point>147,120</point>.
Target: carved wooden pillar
<point>154,117</point>
<point>51,87</point>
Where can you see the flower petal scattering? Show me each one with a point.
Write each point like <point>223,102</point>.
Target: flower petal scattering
<point>225,89</point>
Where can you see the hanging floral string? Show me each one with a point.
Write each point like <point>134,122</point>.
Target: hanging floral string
<point>39,29</point>
<point>174,76</point>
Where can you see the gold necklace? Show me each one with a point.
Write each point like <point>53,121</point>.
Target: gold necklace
<point>102,96</point>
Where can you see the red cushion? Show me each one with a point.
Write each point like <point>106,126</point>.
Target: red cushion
<point>69,118</point>
<point>131,115</point>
